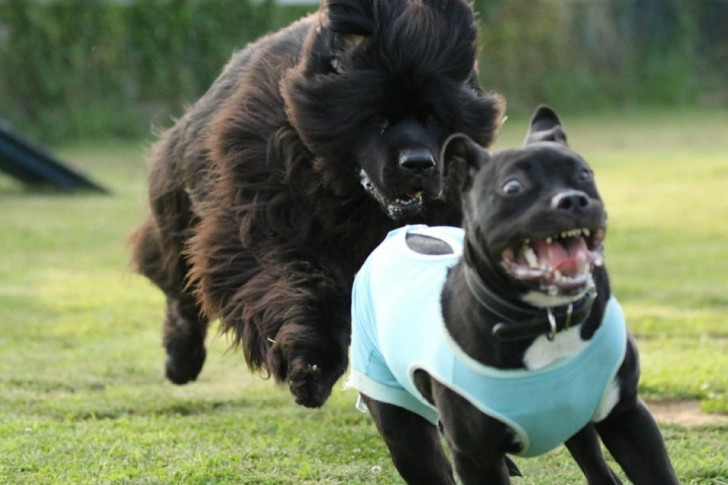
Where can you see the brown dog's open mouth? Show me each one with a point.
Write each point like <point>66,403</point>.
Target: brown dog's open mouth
<point>411,202</point>
<point>561,263</point>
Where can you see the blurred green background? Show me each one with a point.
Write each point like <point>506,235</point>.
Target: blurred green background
<point>642,89</point>
<point>75,69</point>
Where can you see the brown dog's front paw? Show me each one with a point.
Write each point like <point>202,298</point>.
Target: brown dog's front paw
<point>309,384</point>
<point>184,363</point>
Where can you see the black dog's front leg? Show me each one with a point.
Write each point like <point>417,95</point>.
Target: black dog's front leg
<point>414,444</point>
<point>584,446</point>
<point>631,435</point>
<point>479,443</point>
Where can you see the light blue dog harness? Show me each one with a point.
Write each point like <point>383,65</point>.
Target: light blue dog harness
<point>397,328</point>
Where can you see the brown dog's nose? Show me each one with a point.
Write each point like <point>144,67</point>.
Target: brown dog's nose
<point>570,200</point>
<point>416,160</point>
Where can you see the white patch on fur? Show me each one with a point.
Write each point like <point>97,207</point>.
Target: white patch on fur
<point>543,351</point>
<point>610,399</point>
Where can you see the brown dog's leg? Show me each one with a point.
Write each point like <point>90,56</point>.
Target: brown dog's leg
<point>414,444</point>
<point>585,448</point>
<point>300,314</point>
<point>290,316</point>
<point>184,328</point>
<point>183,336</point>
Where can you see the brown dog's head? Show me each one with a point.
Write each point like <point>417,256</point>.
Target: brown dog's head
<point>534,220</point>
<point>381,85</point>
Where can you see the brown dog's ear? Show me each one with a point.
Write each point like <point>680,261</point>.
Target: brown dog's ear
<point>352,17</point>
<point>460,146</point>
<point>545,126</point>
<point>348,23</point>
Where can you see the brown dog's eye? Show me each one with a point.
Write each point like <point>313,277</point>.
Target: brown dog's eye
<point>380,120</point>
<point>512,187</point>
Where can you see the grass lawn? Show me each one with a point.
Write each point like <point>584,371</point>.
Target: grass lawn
<point>82,394</point>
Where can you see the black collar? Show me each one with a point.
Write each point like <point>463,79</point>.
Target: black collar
<point>525,321</point>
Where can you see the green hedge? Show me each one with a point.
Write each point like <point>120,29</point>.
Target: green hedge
<point>591,54</point>
<point>74,68</point>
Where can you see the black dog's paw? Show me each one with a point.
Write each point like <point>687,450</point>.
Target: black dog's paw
<point>309,383</point>
<point>184,365</point>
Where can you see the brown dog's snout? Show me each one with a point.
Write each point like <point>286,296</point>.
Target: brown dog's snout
<point>417,160</point>
<point>570,200</point>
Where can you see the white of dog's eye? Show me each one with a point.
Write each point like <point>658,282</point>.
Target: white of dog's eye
<point>585,174</point>
<point>512,187</point>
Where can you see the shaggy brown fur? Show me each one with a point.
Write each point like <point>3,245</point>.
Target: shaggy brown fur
<point>313,143</point>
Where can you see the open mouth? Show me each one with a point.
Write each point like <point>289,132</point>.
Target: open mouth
<point>559,264</point>
<point>409,203</point>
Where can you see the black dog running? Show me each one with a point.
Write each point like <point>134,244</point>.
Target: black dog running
<point>504,333</point>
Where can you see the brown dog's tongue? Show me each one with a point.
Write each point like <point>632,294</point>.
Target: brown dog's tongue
<point>568,256</point>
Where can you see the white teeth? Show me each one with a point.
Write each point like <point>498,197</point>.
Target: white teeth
<point>531,257</point>
<point>572,233</point>
<point>563,279</point>
<point>548,240</point>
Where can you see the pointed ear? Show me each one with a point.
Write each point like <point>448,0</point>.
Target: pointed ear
<point>459,145</point>
<point>545,126</point>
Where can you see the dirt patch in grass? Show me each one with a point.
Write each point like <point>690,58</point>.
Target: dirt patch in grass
<point>684,413</point>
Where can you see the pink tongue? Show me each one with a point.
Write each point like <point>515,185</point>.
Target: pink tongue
<point>567,256</point>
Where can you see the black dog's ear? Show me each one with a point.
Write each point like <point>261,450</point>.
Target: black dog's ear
<point>459,145</point>
<point>545,126</point>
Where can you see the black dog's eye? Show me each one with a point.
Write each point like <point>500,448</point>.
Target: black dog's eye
<point>431,119</point>
<point>584,175</point>
<point>512,187</point>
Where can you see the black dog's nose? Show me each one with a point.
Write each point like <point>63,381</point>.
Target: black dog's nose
<point>416,160</point>
<point>570,200</point>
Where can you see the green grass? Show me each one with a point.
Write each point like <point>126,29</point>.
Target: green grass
<point>82,394</point>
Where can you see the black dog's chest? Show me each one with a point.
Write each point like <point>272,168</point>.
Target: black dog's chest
<point>543,352</point>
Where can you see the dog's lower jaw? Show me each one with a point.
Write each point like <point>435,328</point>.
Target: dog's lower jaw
<point>550,299</point>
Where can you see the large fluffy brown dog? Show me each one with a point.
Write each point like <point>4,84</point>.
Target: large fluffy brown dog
<point>313,143</point>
